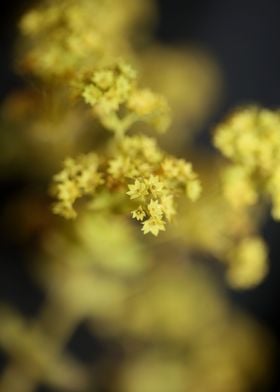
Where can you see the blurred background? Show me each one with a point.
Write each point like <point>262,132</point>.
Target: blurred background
<point>243,37</point>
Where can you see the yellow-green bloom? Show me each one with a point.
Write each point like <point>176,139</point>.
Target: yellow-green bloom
<point>117,100</point>
<point>250,139</point>
<point>133,167</point>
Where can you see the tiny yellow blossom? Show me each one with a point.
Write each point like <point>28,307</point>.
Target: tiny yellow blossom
<point>156,186</point>
<point>170,167</point>
<point>155,209</point>
<point>153,225</point>
<point>103,79</point>
<point>139,213</point>
<point>137,190</point>
<point>119,167</point>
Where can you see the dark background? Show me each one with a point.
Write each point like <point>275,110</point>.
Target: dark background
<point>244,38</point>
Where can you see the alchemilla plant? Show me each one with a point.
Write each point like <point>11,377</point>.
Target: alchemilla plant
<point>125,207</point>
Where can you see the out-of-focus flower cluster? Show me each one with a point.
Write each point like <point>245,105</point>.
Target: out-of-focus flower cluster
<point>212,226</point>
<point>250,139</point>
<point>66,36</point>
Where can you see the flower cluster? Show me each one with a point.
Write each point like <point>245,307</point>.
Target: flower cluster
<point>118,102</point>
<point>250,139</point>
<point>137,167</point>
<point>78,178</point>
<point>66,36</point>
<point>154,180</point>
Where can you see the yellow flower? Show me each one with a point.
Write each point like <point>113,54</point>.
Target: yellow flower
<point>153,225</point>
<point>170,167</point>
<point>103,79</point>
<point>138,189</point>
<point>155,209</point>
<point>139,213</point>
<point>155,186</point>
